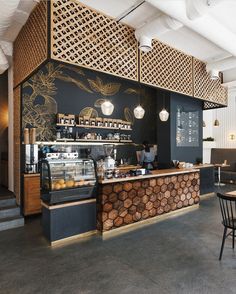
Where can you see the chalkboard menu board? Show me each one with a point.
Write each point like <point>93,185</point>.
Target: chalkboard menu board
<point>187,127</point>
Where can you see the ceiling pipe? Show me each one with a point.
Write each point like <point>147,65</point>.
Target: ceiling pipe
<point>222,65</point>
<point>207,27</point>
<point>154,29</point>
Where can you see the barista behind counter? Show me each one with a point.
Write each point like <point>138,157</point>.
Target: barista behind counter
<point>147,156</point>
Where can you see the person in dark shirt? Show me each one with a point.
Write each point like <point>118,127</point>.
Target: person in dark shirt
<point>147,156</point>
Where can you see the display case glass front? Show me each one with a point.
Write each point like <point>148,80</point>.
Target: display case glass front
<point>66,174</point>
<point>69,176</point>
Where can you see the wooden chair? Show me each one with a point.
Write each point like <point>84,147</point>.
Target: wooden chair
<point>228,211</point>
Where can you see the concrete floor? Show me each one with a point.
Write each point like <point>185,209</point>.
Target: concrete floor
<point>178,255</point>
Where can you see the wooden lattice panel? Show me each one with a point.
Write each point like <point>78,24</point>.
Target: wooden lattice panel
<point>210,105</point>
<point>87,38</point>
<point>30,47</point>
<point>123,203</point>
<point>167,68</point>
<point>207,89</point>
<point>17,141</point>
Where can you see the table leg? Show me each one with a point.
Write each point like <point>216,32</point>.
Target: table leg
<point>219,171</point>
<point>218,175</point>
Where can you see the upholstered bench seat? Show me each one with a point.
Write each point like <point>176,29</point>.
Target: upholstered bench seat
<point>219,155</point>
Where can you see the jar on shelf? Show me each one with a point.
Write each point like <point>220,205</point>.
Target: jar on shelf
<point>86,120</point>
<point>81,121</point>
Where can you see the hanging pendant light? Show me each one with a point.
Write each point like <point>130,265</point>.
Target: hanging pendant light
<point>107,107</point>
<point>203,124</point>
<point>163,114</point>
<point>139,112</point>
<point>216,122</point>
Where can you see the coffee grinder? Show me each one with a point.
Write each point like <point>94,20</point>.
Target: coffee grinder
<point>31,158</point>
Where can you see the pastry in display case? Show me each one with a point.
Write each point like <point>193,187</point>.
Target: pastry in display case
<point>64,178</point>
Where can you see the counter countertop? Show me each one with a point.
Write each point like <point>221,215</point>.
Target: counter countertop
<point>203,165</point>
<point>153,174</point>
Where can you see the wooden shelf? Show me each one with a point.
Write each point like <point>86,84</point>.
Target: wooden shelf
<point>101,127</point>
<point>65,140</point>
<point>65,125</point>
<point>104,141</point>
<point>85,142</point>
<point>126,141</point>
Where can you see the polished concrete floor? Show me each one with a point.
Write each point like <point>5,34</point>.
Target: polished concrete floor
<point>178,255</point>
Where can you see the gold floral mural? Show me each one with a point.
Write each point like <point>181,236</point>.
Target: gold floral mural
<point>39,105</point>
<point>41,93</point>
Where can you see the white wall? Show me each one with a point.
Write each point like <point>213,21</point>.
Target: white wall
<point>227,120</point>
<point>208,118</point>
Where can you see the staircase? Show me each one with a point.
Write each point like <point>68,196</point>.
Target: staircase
<point>10,216</point>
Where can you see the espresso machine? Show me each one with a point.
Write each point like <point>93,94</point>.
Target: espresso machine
<point>109,162</point>
<point>31,158</point>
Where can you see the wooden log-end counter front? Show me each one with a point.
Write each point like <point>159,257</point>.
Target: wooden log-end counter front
<point>126,201</point>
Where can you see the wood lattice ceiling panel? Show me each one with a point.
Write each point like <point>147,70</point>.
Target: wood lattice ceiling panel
<point>30,47</point>
<point>87,38</point>
<point>207,89</point>
<point>167,68</point>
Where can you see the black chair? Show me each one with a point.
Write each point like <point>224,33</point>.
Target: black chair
<point>228,211</point>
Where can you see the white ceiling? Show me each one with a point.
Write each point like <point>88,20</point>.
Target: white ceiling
<point>208,47</point>
<point>185,38</point>
<point>13,15</point>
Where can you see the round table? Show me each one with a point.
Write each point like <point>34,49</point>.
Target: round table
<point>219,166</point>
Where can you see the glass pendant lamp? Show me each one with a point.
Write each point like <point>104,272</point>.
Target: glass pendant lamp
<point>107,107</point>
<point>163,114</point>
<point>138,110</point>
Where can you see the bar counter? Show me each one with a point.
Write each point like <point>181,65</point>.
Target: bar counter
<point>129,200</point>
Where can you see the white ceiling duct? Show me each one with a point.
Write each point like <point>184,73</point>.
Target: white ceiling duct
<point>206,25</point>
<point>154,29</point>
<point>196,9</point>
<point>3,61</point>
<point>7,11</point>
<point>221,65</point>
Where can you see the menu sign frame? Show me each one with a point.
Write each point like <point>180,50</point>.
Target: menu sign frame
<point>187,127</point>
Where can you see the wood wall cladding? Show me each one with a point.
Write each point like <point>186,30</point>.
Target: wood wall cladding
<point>127,202</point>
<point>30,47</point>
<point>167,68</point>
<point>17,142</point>
<point>84,37</point>
<point>207,89</point>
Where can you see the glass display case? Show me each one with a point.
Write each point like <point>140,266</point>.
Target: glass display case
<point>67,179</point>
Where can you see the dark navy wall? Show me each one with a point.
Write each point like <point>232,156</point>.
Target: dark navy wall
<point>166,131</point>
<point>62,88</point>
<point>65,89</point>
<point>187,154</point>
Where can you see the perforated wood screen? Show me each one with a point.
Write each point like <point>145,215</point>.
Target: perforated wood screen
<point>17,141</point>
<point>167,68</point>
<point>30,47</point>
<point>87,38</point>
<point>207,89</point>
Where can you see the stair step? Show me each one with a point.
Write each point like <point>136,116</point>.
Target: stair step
<point>9,211</point>
<point>7,201</point>
<point>11,222</point>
